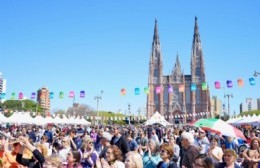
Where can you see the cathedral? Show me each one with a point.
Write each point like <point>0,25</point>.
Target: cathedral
<point>178,94</point>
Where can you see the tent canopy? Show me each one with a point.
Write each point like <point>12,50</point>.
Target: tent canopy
<point>157,118</point>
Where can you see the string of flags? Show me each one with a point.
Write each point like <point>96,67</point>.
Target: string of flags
<point>137,90</point>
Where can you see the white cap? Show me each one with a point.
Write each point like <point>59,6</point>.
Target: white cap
<point>107,136</point>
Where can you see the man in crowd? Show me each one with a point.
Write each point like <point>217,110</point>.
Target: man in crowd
<point>190,151</point>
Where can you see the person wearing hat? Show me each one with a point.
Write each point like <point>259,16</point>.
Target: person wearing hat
<point>105,142</point>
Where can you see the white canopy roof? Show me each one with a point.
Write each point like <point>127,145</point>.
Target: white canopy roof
<point>157,118</point>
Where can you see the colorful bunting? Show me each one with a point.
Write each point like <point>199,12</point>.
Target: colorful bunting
<point>71,94</point>
<point>61,95</point>
<point>82,94</point>
<point>252,81</point>
<point>229,84</point>
<point>137,91</point>
<point>13,96</point>
<point>51,95</point>
<point>146,90</point>
<point>217,85</point>
<point>2,95</point>
<point>193,87</point>
<point>240,82</point>
<point>33,95</point>
<point>204,86</point>
<point>170,89</point>
<point>123,91</point>
<point>181,88</point>
<point>158,90</point>
<point>20,96</point>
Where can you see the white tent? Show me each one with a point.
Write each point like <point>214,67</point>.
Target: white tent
<point>157,118</point>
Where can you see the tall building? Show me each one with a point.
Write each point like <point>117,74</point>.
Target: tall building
<point>2,88</point>
<point>164,93</point>
<point>258,104</point>
<point>249,105</point>
<point>43,98</point>
<point>216,106</point>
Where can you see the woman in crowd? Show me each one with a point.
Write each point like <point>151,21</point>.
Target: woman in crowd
<point>176,148</point>
<point>38,154</point>
<point>133,160</point>
<point>10,156</point>
<point>202,161</point>
<point>166,153</point>
<point>53,161</point>
<point>230,158</point>
<point>252,155</point>
<point>215,152</point>
<point>73,160</point>
<point>151,156</point>
<point>88,153</point>
<point>114,158</point>
<point>65,148</point>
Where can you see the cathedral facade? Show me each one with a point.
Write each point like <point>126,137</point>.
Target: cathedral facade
<point>177,94</point>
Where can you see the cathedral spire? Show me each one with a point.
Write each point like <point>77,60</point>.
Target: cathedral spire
<point>156,40</point>
<point>177,67</point>
<point>197,60</point>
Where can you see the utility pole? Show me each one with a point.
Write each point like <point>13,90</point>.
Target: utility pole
<point>256,74</point>
<point>98,97</point>
<point>129,112</point>
<point>228,97</point>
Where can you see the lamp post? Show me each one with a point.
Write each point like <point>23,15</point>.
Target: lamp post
<point>228,96</point>
<point>98,97</point>
<point>256,74</point>
<point>129,111</point>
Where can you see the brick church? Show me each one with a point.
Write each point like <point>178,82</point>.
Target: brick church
<point>178,94</point>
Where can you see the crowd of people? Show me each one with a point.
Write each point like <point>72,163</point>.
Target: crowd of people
<point>68,146</point>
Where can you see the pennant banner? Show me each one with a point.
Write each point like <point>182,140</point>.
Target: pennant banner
<point>146,90</point>
<point>33,95</point>
<point>229,84</point>
<point>240,82</point>
<point>170,89</point>
<point>158,90</point>
<point>82,94</point>
<point>61,95</point>
<point>123,91</point>
<point>51,95</point>
<point>204,86</point>
<point>71,94</point>
<point>252,81</point>
<point>217,85</point>
<point>20,96</point>
<point>137,91</point>
<point>181,88</point>
<point>193,87</point>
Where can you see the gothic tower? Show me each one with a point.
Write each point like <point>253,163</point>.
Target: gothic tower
<point>199,98</point>
<point>155,79</point>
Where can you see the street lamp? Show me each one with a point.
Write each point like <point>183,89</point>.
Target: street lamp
<point>228,96</point>
<point>129,111</point>
<point>99,97</point>
<point>256,74</point>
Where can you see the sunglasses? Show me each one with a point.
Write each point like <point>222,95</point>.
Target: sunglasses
<point>163,151</point>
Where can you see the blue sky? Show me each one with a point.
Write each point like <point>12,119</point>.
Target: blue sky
<point>106,45</point>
